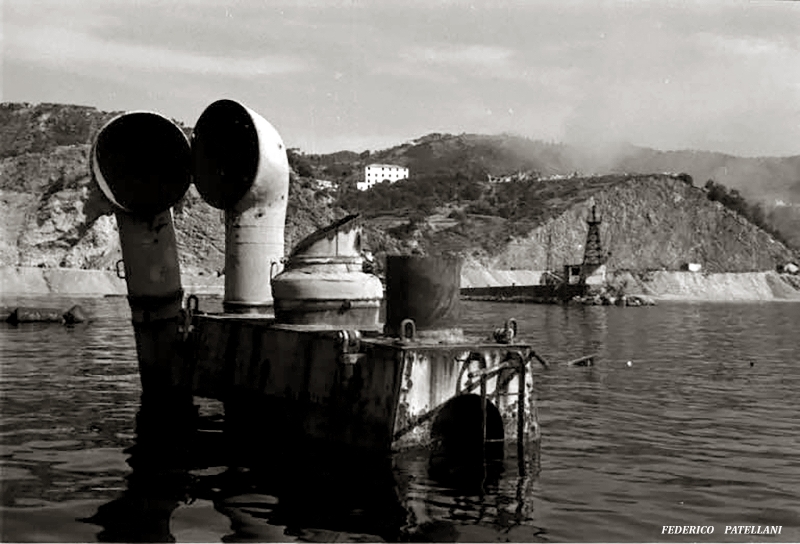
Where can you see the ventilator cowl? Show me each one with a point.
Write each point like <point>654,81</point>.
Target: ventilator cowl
<point>140,161</point>
<point>240,166</point>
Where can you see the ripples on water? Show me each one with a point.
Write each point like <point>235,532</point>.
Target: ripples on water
<point>689,433</point>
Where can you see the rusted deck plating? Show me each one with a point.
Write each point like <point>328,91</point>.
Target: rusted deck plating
<point>361,389</point>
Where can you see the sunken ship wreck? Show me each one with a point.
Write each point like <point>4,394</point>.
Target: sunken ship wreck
<point>300,353</point>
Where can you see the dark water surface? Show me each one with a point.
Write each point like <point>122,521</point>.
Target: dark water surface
<point>702,428</point>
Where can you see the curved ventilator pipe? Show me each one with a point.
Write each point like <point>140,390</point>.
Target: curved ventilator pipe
<point>239,164</point>
<point>141,162</point>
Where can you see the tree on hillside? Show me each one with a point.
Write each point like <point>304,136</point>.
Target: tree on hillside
<point>299,163</point>
<point>423,193</point>
<point>733,200</point>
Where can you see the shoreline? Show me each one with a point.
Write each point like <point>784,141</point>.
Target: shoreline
<point>682,299</point>
<point>662,286</point>
<point>686,299</point>
<point>20,281</point>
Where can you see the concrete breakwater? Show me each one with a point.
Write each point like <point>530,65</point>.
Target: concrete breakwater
<point>543,294</point>
<point>522,285</point>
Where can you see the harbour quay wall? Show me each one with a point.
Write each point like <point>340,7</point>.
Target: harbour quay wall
<point>482,285</point>
<point>661,284</point>
<point>523,293</point>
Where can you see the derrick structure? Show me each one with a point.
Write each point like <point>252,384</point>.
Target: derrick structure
<point>593,254</point>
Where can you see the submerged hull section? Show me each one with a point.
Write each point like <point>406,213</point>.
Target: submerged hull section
<point>298,385</point>
<point>311,388</point>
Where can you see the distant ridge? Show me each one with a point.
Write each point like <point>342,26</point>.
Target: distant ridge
<point>52,216</point>
<point>27,128</point>
<point>649,222</point>
<point>759,178</point>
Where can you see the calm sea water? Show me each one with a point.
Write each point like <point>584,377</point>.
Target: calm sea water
<point>701,428</point>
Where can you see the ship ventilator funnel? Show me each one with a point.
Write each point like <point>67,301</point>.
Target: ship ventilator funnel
<point>239,164</point>
<point>140,161</point>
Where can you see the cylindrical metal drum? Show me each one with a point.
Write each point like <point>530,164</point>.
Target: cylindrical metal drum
<point>426,290</point>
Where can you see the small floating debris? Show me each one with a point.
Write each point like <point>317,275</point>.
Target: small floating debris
<point>586,360</point>
<point>629,363</point>
<point>75,314</point>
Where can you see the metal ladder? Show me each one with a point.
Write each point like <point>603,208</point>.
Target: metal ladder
<point>518,364</point>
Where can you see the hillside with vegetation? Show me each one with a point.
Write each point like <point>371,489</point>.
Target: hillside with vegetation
<point>447,168</point>
<point>501,201</point>
<point>762,180</point>
<point>648,222</point>
<point>54,216</point>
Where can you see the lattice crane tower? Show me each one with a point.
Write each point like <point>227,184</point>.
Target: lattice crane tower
<point>594,255</point>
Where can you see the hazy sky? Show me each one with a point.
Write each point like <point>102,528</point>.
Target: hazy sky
<point>333,75</point>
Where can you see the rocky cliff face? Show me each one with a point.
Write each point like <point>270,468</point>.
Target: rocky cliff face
<point>54,216</point>
<point>648,222</point>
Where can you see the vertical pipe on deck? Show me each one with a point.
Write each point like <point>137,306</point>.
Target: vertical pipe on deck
<point>483,416</point>
<point>521,417</point>
<point>240,166</point>
<point>140,161</point>
<point>152,271</point>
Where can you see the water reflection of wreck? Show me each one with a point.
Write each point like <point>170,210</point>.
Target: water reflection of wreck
<point>322,371</point>
<point>182,464</point>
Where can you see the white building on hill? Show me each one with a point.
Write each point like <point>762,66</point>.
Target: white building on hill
<point>325,184</point>
<point>378,173</point>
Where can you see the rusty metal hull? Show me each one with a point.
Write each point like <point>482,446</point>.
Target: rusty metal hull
<point>297,381</point>
<point>441,378</point>
<point>296,384</point>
